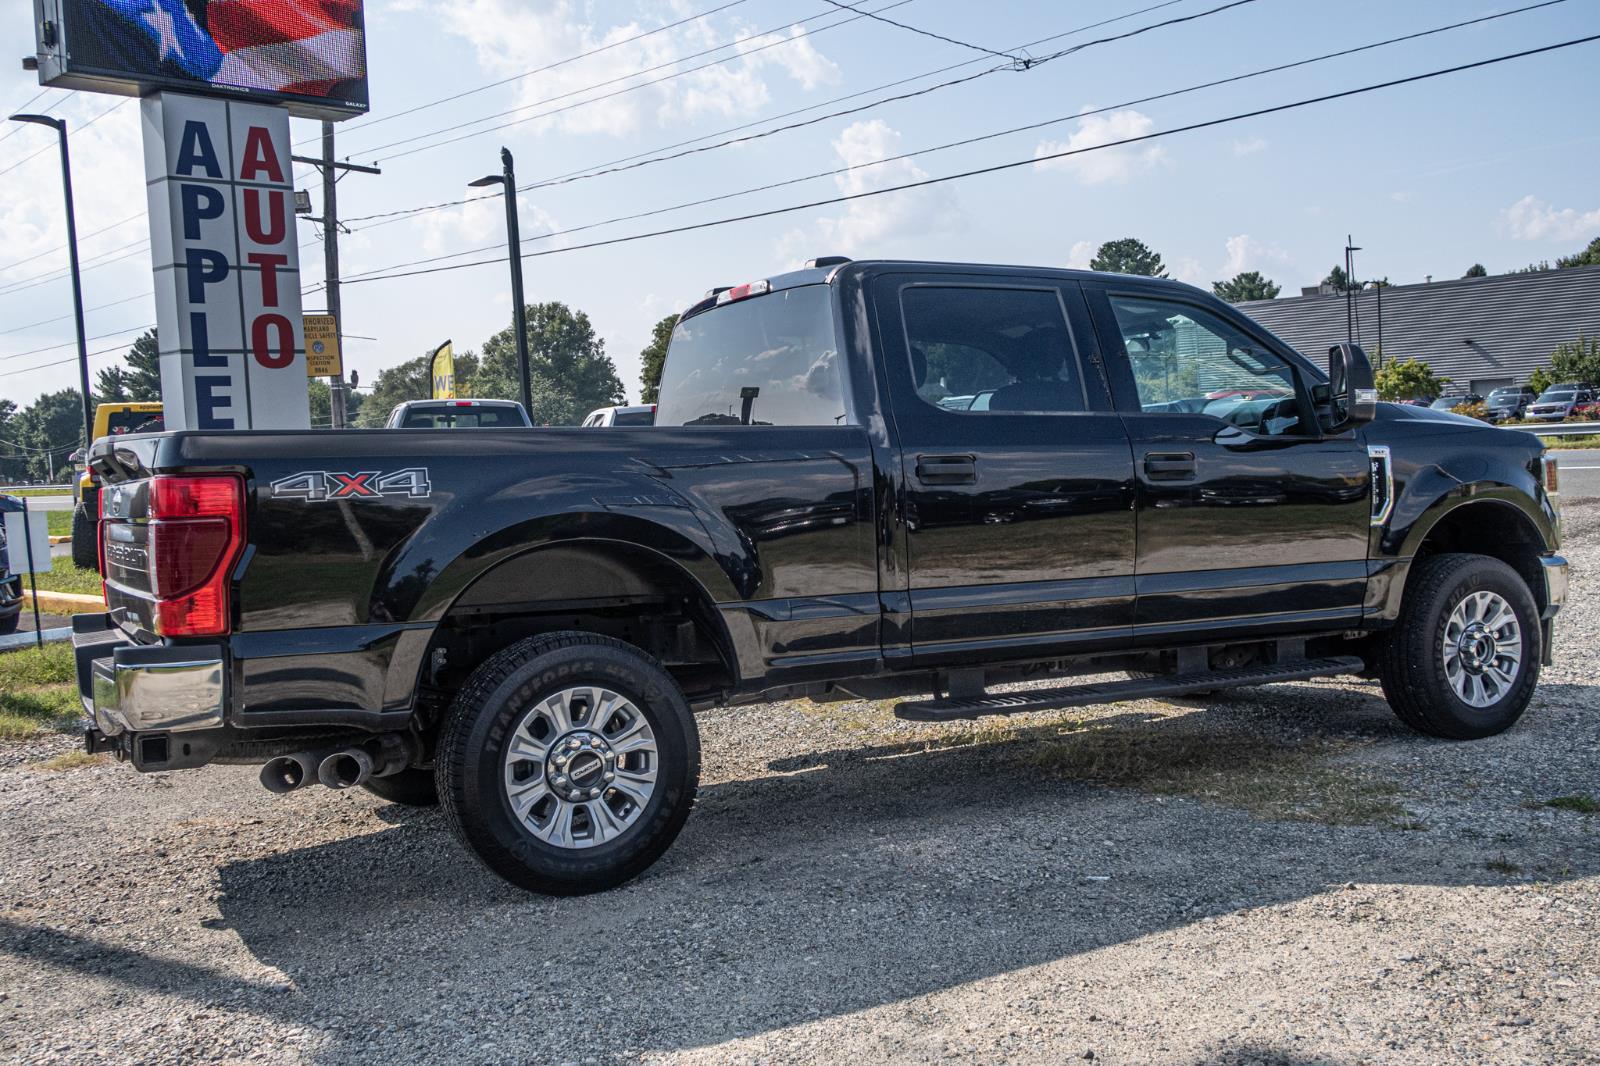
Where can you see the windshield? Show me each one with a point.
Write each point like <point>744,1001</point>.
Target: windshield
<point>462,418</point>
<point>635,418</point>
<point>1557,396</point>
<point>764,361</point>
<point>1504,394</point>
<point>1445,403</point>
<point>135,422</point>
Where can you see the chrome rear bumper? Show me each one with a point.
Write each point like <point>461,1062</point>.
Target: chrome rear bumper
<point>138,688</point>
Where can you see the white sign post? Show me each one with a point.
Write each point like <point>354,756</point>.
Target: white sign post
<point>28,552</point>
<point>227,265</point>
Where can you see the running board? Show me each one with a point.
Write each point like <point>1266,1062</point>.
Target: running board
<point>1054,699</point>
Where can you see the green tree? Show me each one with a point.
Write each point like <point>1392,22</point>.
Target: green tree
<point>1340,281</point>
<point>1249,285</point>
<point>12,464</point>
<point>1576,360</point>
<point>1128,256</point>
<point>47,431</point>
<point>1476,270</point>
<point>1540,380</point>
<point>653,358</point>
<point>111,385</point>
<point>1408,379</point>
<point>144,368</point>
<point>570,372</point>
<point>1590,256</point>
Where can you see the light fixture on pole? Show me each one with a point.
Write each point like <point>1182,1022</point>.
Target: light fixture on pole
<point>507,179</point>
<point>60,126</point>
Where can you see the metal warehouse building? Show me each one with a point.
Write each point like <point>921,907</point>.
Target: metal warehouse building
<point>1480,333</point>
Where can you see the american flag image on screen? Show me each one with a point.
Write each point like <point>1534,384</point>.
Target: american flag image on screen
<point>294,48</point>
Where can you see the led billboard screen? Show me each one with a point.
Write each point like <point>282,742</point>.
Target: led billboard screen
<point>308,54</point>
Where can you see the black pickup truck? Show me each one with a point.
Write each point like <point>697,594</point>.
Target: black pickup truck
<point>866,479</point>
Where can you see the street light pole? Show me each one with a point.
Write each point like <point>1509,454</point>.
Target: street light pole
<point>507,179</point>
<point>1349,288</point>
<point>60,126</point>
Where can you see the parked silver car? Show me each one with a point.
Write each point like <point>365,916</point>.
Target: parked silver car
<point>1555,404</point>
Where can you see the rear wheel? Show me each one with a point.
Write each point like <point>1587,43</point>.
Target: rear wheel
<point>1463,659</point>
<point>85,546</point>
<point>9,625</point>
<point>568,763</point>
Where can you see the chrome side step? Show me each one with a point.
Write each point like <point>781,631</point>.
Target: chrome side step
<point>954,708</point>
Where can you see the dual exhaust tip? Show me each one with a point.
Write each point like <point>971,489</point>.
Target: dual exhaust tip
<point>344,768</point>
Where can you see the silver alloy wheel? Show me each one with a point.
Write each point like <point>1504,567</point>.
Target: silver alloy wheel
<point>581,767</point>
<point>1482,649</point>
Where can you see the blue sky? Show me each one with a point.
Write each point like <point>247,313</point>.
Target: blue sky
<point>1495,165</point>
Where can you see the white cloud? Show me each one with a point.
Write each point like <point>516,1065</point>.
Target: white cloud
<point>1531,219</point>
<point>1250,146</point>
<point>511,37</point>
<point>1189,269</point>
<point>1247,253</point>
<point>1082,251</point>
<point>1105,164</point>
<point>868,224</point>
<point>482,223</point>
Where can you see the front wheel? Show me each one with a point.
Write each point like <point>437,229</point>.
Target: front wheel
<point>568,763</point>
<point>1463,659</point>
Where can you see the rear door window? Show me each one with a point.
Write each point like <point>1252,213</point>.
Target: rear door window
<point>981,349</point>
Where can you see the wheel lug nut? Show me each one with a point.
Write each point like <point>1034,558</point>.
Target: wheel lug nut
<point>610,776</point>
<point>594,793</point>
<point>560,781</point>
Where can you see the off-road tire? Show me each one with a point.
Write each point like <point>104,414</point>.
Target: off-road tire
<point>1410,663</point>
<point>85,547</point>
<point>411,787</point>
<point>9,625</point>
<point>485,714</point>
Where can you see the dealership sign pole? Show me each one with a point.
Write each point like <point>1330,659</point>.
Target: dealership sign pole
<point>218,82</point>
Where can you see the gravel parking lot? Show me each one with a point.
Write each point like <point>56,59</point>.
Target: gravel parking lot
<point>1281,874</point>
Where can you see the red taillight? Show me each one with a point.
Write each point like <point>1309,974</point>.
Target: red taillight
<point>195,534</point>
<point>740,292</point>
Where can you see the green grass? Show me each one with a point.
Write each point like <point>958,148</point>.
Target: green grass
<point>65,577</point>
<point>37,692</point>
<point>60,523</point>
<point>34,666</point>
<point>71,760</point>
<point>1581,802</point>
<point>1588,440</point>
<point>63,490</point>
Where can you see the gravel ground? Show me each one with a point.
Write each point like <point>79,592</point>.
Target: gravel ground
<point>1278,875</point>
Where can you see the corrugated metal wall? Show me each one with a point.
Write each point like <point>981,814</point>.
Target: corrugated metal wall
<point>1471,329</point>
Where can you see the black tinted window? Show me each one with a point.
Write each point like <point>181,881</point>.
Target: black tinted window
<point>635,418</point>
<point>770,360</point>
<point>462,418</point>
<point>1001,350</point>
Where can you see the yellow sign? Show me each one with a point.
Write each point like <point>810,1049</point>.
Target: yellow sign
<point>442,369</point>
<point>322,347</point>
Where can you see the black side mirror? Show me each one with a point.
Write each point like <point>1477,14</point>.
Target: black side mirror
<point>1352,393</point>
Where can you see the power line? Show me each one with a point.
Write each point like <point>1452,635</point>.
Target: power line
<point>98,260</point>
<point>353,127</point>
<point>1029,127</point>
<point>62,247</point>
<point>87,310</point>
<point>47,147</point>
<point>68,344</point>
<point>611,81</point>
<point>23,107</point>
<point>616,165</point>
<point>1011,165</point>
<point>928,33</point>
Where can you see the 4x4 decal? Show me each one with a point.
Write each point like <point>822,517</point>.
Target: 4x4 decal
<point>318,485</point>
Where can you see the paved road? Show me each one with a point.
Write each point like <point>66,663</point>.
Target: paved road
<point>1580,472</point>
<point>57,502</point>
